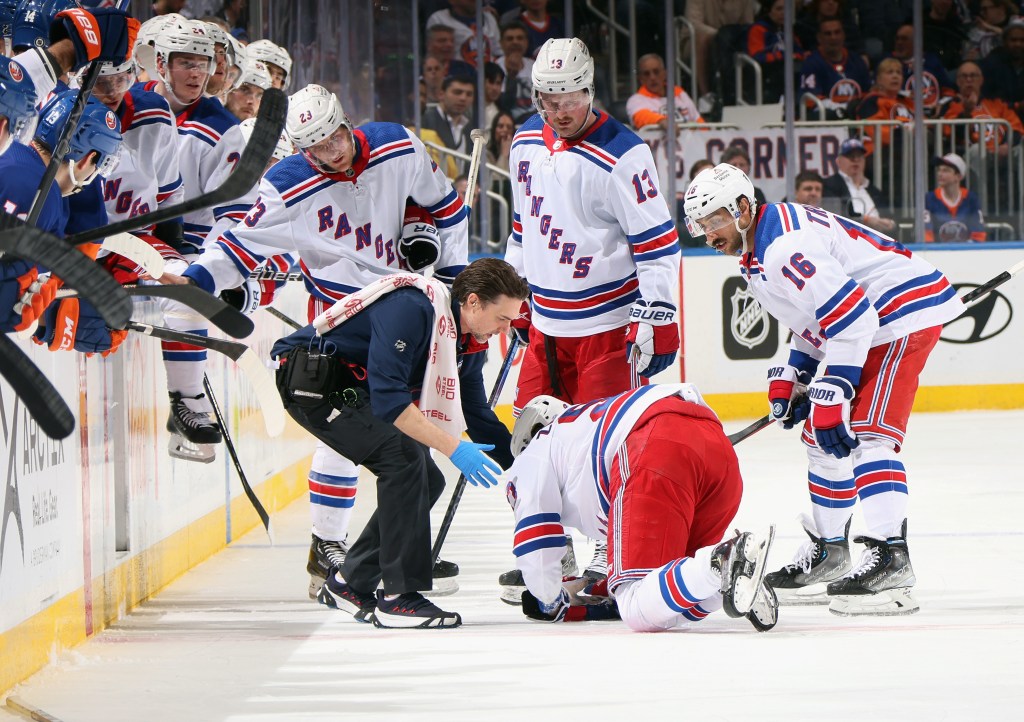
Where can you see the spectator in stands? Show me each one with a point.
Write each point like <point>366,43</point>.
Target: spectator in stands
<point>986,32</point>
<point>1004,68</point>
<point>938,88</point>
<point>878,21</point>
<point>808,22</point>
<point>164,7</point>
<point>237,17</point>
<point>698,166</point>
<point>766,45</point>
<point>494,82</point>
<point>952,214</point>
<point>707,16</point>
<point>517,96</point>
<point>461,18</point>
<point>885,102</point>
<point>649,105</point>
<point>849,193</point>
<point>451,119</point>
<point>971,102</point>
<point>538,23</point>
<point>737,155</point>
<point>832,72</point>
<point>945,31</point>
<point>440,44</point>
<point>499,141</point>
<point>809,188</point>
<point>433,77</point>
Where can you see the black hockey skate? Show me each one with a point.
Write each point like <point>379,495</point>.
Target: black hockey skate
<point>445,576</point>
<point>598,567</point>
<point>194,426</point>
<point>881,584</point>
<point>816,563</point>
<point>741,561</point>
<point>513,586</point>
<point>339,595</point>
<point>412,610</point>
<point>325,558</point>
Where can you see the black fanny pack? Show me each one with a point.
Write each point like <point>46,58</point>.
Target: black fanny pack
<point>311,378</point>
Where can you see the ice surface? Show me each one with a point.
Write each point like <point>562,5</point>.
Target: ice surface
<point>237,638</point>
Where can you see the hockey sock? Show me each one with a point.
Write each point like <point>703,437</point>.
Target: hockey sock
<point>673,594</point>
<point>833,492</point>
<point>882,487</point>
<point>332,492</point>
<point>185,364</point>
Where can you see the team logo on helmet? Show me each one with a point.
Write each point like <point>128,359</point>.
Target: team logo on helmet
<point>15,71</point>
<point>111,120</point>
<point>749,322</point>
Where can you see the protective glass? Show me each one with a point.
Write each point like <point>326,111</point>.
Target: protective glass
<point>184,64</point>
<point>332,146</point>
<point>109,163</point>
<point>568,103</point>
<point>117,84</point>
<point>23,130</point>
<point>710,223</point>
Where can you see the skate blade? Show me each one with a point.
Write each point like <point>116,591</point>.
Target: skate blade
<point>444,587</point>
<point>315,585</point>
<point>513,595</point>
<point>744,590</point>
<point>889,603</point>
<point>811,595</point>
<point>179,447</point>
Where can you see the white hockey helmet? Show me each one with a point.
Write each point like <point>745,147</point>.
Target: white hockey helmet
<point>537,414</point>
<point>314,113</point>
<point>149,31</point>
<point>253,72</point>
<point>271,53</point>
<point>282,150</point>
<point>563,65</point>
<point>187,36</point>
<point>713,189</point>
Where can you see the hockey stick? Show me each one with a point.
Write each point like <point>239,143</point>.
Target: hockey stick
<point>970,297</point>
<point>245,358</point>
<point>41,399</point>
<point>449,515</point>
<point>247,173</point>
<point>137,251</point>
<point>253,499</point>
<point>222,315</point>
<point>283,317</point>
<point>478,137</point>
<point>72,266</point>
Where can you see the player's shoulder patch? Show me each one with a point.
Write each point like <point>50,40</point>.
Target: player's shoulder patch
<point>290,172</point>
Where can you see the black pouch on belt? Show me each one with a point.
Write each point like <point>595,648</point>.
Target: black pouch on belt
<point>313,378</point>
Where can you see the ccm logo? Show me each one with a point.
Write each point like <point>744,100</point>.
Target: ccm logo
<point>651,314</point>
<point>68,338</point>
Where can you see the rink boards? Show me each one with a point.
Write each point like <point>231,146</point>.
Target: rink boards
<point>98,522</point>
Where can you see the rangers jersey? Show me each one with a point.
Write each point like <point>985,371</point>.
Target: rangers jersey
<point>147,175</point>
<point>841,287</point>
<point>344,227</point>
<point>591,232</point>
<point>563,479</point>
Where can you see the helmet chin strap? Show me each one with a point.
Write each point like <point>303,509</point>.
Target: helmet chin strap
<point>79,185</point>
<point>751,205</point>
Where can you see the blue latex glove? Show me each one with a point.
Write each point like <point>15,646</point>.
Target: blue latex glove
<point>830,415</point>
<point>478,468</point>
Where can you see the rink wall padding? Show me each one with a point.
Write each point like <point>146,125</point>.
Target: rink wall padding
<point>95,524</point>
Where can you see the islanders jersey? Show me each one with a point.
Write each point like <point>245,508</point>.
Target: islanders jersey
<point>835,83</point>
<point>147,175</point>
<point>956,222</point>
<point>591,231</point>
<point>563,479</point>
<point>841,287</point>
<point>345,227</point>
<point>21,170</point>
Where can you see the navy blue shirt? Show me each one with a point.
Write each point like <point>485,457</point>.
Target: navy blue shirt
<point>390,339</point>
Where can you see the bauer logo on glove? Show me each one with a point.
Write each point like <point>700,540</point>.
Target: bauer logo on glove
<point>420,244</point>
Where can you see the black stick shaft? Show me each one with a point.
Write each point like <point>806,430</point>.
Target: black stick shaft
<point>253,499</point>
<point>449,515</point>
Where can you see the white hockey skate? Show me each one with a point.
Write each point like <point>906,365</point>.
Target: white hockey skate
<point>741,562</point>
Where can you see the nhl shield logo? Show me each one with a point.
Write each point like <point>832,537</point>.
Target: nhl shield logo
<point>748,331</point>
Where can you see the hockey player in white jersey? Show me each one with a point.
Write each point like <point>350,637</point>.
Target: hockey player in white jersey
<point>340,206</point>
<point>865,314</point>
<point>593,236</point>
<point>209,145</point>
<point>653,471</point>
<point>276,58</point>
<point>243,100</point>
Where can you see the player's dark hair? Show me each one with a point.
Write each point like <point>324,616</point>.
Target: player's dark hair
<point>489,278</point>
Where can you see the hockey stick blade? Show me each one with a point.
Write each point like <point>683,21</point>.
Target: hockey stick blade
<point>256,373</point>
<point>73,267</point>
<point>222,315</point>
<point>137,251</point>
<point>283,317</point>
<point>762,423</point>
<point>265,134</point>
<point>43,402</point>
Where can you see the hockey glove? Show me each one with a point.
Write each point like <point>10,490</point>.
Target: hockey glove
<point>75,324</point>
<point>562,610</point>
<point>521,323</point>
<point>420,244</point>
<point>787,389</point>
<point>251,295</point>
<point>830,415</point>
<point>652,337</point>
<point>478,468</point>
<point>104,34</point>
<point>23,295</point>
